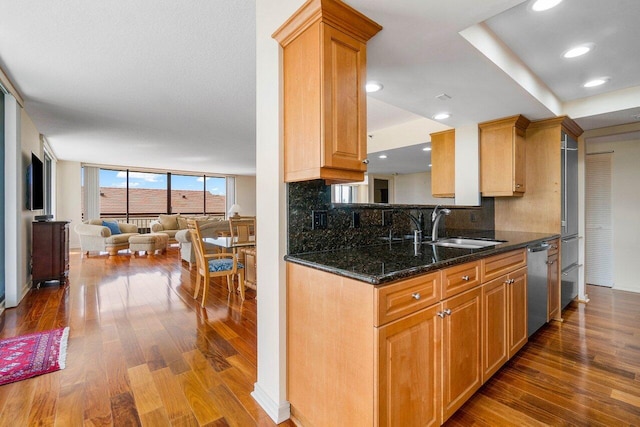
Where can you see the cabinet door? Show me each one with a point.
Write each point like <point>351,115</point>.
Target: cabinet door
<point>461,349</point>
<point>494,326</point>
<point>517,310</point>
<point>553,277</point>
<point>496,161</point>
<point>409,370</point>
<point>443,163</point>
<point>503,156</point>
<point>344,101</point>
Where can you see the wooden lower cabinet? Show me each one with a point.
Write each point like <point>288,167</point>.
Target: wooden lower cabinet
<point>495,318</point>
<point>358,354</point>
<point>409,370</point>
<point>504,319</point>
<point>553,280</point>
<point>461,349</point>
<point>517,304</point>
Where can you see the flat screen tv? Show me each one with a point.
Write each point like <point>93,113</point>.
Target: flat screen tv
<point>35,184</point>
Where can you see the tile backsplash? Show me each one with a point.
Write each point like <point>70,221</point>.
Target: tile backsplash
<point>354,225</point>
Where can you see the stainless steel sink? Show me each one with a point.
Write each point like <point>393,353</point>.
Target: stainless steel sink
<point>465,243</point>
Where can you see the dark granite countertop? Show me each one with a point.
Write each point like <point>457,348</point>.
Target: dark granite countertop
<point>391,261</point>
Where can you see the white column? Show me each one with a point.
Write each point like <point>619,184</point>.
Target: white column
<point>270,389</point>
<point>13,202</point>
<point>467,166</point>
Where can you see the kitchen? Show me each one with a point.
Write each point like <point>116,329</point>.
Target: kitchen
<point>363,215</point>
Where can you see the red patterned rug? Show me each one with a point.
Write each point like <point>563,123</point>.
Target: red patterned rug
<point>31,355</point>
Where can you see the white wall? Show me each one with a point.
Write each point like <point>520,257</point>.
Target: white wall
<point>408,133</point>
<point>626,208</point>
<point>69,197</point>
<point>415,188</point>
<point>246,194</point>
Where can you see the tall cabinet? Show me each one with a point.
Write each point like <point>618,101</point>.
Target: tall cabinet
<point>324,74</point>
<point>50,251</point>
<point>542,208</point>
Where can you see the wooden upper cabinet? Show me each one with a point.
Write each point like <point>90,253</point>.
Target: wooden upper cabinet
<point>503,156</point>
<point>324,76</point>
<point>443,163</point>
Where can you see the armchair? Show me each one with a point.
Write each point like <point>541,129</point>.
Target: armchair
<point>167,224</point>
<point>96,237</point>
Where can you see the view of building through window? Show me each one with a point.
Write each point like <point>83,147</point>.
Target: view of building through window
<point>148,194</point>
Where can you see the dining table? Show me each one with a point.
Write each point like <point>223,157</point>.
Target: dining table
<point>228,242</point>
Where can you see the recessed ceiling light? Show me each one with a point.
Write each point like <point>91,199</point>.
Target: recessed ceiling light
<point>382,156</point>
<point>441,116</point>
<point>373,87</point>
<point>426,149</point>
<point>540,5</point>
<point>596,82</point>
<point>578,50</point>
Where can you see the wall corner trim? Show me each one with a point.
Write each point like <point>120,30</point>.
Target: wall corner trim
<point>278,412</point>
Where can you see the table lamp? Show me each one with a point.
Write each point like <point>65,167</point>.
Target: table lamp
<point>233,212</point>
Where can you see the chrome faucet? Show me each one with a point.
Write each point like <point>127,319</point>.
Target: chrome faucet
<point>417,233</point>
<point>435,220</point>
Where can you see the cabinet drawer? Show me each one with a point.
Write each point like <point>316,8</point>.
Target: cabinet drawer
<point>498,265</point>
<point>460,278</point>
<point>399,299</point>
<point>554,246</point>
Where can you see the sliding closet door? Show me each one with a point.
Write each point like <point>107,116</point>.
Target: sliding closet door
<point>599,223</point>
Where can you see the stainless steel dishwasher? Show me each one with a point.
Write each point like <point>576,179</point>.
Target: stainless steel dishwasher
<point>537,287</point>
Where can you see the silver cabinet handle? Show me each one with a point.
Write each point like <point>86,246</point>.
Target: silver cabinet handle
<point>446,312</point>
<point>416,296</point>
<point>518,185</point>
<point>465,278</point>
<point>365,161</point>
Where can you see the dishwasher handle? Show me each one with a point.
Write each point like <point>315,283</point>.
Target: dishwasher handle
<point>544,246</point>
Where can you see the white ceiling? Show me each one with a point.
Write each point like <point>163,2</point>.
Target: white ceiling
<point>167,85</point>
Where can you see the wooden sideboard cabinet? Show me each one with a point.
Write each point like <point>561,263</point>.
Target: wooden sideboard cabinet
<point>50,251</point>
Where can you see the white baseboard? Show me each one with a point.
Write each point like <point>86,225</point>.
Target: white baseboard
<point>277,412</point>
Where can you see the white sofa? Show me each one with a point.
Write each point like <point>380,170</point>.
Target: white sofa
<point>96,237</point>
<point>208,228</point>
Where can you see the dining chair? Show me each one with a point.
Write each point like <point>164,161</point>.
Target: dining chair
<point>209,265</point>
<point>241,230</point>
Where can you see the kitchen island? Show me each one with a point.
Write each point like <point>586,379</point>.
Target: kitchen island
<point>387,335</point>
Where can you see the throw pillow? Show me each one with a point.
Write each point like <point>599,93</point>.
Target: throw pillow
<point>169,222</point>
<point>112,226</point>
<point>182,222</point>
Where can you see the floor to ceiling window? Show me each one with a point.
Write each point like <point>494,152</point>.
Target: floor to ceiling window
<point>140,196</point>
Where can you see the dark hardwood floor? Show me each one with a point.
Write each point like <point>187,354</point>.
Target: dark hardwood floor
<point>582,372</point>
<point>143,352</point>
